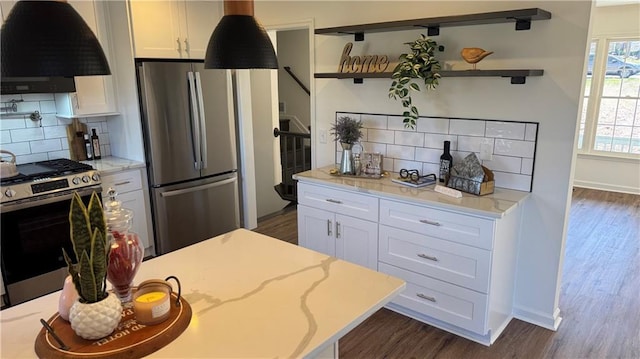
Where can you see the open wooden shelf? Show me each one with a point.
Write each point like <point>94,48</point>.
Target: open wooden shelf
<point>517,76</point>
<point>521,17</point>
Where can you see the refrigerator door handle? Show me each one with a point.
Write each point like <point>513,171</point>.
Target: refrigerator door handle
<point>197,188</point>
<point>203,127</point>
<point>195,122</point>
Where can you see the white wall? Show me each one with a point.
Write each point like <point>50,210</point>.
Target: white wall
<point>293,51</point>
<point>557,46</point>
<point>604,172</point>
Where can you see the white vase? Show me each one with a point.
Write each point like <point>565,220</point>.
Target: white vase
<point>68,296</point>
<point>96,320</point>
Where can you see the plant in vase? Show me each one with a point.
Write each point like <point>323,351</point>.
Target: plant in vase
<point>96,312</point>
<point>419,63</point>
<point>347,131</point>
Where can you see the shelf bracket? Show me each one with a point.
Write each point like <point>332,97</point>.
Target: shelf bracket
<point>523,24</point>
<point>518,80</point>
<point>358,36</point>
<point>433,30</point>
<point>358,80</point>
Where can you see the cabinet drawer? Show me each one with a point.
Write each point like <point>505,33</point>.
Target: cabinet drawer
<point>446,302</point>
<point>448,261</point>
<point>337,201</point>
<point>473,231</point>
<point>122,182</point>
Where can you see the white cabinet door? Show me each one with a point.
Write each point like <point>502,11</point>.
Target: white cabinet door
<point>135,202</point>
<point>315,230</point>
<point>357,241</point>
<point>94,94</point>
<point>201,19</point>
<point>156,29</point>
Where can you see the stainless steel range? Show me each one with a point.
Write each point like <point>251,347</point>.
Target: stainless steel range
<point>34,210</point>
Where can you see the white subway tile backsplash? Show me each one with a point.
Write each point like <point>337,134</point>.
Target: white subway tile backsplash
<point>37,97</point>
<point>380,136</point>
<point>46,145</point>
<point>420,148</point>
<point>514,148</point>
<point>35,157</point>
<point>527,166</point>
<point>397,123</point>
<point>469,144</point>
<point>56,132</point>
<point>5,136</point>
<point>512,130</point>
<point>374,121</point>
<point>514,181</point>
<point>433,125</point>
<point>530,132</point>
<point>409,138</point>
<point>17,148</point>
<point>428,155</point>
<point>58,154</point>
<point>12,123</point>
<point>467,127</point>
<point>27,134</point>
<point>49,119</point>
<point>401,152</point>
<point>48,107</point>
<point>504,164</point>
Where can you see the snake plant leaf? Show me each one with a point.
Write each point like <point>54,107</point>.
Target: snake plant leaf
<point>88,289</point>
<point>80,229</point>
<point>96,216</point>
<point>71,268</point>
<point>99,261</point>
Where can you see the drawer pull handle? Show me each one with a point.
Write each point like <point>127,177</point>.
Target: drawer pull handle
<point>121,183</point>
<point>333,201</point>
<point>433,223</point>
<point>329,227</point>
<point>431,299</point>
<point>426,256</point>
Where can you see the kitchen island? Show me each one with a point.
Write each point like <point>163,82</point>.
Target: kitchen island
<point>251,296</point>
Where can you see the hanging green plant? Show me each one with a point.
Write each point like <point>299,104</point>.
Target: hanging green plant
<point>419,63</point>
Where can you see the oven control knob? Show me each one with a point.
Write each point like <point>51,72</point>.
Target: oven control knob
<point>9,193</point>
<point>86,179</point>
<point>95,177</point>
<point>76,180</point>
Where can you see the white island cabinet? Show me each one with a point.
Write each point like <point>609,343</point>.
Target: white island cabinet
<point>457,255</point>
<point>251,296</point>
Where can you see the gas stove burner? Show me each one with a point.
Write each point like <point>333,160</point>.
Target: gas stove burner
<point>46,178</point>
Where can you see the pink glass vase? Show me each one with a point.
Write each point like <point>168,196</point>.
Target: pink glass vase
<point>124,261</point>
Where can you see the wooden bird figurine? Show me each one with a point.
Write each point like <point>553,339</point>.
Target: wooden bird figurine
<point>473,55</point>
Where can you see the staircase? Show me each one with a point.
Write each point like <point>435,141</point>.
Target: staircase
<point>295,156</point>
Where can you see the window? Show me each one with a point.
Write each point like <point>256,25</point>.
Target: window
<point>610,121</point>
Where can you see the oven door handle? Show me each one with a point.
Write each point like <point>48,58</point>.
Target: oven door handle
<point>48,199</point>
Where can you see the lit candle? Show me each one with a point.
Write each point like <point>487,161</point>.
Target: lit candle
<point>151,303</point>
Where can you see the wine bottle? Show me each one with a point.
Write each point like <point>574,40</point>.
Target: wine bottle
<point>95,144</point>
<point>88,147</point>
<point>446,161</point>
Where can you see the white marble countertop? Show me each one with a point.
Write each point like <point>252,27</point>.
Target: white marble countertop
<point>252,296</point>
<point>494,205</point>
<point>114,164</point>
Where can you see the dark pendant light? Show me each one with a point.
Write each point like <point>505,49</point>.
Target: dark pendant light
<point>48,39</point>
<point>239,41</point>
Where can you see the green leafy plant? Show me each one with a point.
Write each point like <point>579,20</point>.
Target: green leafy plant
<point>419,63</point>
<point>88,236</point>
<point>347,130</point>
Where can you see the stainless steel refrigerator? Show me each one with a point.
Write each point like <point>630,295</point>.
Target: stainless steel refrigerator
<point>189,134</point>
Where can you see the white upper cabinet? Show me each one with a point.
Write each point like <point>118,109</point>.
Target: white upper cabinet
<point>94,95</point>
<point>175,29</point>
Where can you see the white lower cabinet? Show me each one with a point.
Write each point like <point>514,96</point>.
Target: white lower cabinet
<point>459,266</point>
<point>128,185</point>
<point>352,239</point>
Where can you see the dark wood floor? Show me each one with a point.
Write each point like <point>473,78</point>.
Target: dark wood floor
<point>600,296</point>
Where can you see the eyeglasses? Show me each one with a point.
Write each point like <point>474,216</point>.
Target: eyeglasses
<point>414,175</point>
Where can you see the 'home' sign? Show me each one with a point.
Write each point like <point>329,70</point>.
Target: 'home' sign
<point>364,64</point>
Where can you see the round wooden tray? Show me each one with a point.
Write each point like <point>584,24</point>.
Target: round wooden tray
<point>128,340</point>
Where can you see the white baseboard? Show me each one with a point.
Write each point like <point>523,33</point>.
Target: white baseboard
<point>606,187</point>
<point>551,322</point>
